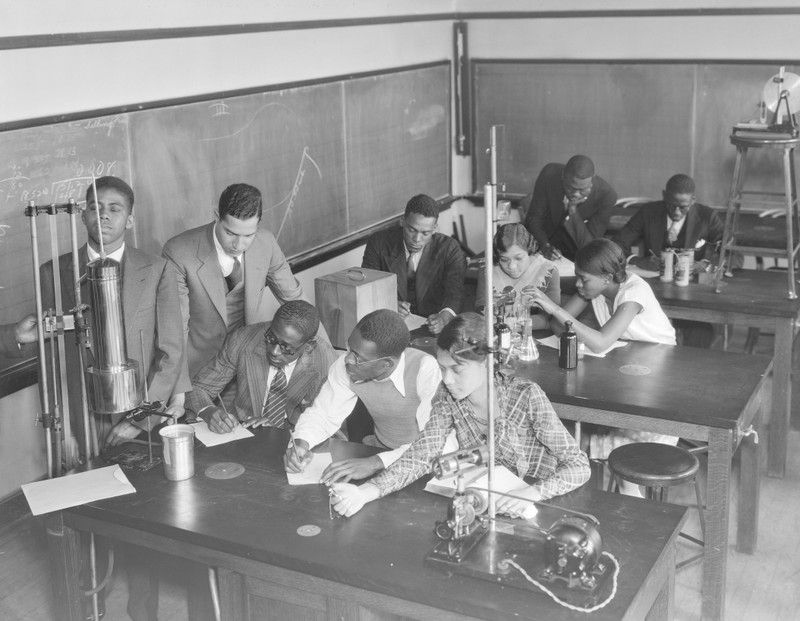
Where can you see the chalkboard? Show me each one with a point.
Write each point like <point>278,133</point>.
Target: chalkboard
<point>331,159</point>
<point>639,122</point>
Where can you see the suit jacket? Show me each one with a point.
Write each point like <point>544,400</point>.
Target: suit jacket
<point>244,357</point>
<point>149,305</point>
<point>546,213</point>
<point>648,230</point>
<point>440,273</point>
<point>201,287</point>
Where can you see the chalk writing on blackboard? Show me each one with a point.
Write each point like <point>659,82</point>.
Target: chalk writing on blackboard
<point>220,108</point>
<point>298,180</point>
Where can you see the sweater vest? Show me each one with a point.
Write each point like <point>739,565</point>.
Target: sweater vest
<point>395,416</point>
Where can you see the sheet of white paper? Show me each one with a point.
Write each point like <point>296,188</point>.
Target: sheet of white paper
<point>313,472</point>
<point>504,481</point>
<point>566,268</point>
<point>76,489</point>
<point>415,321</point>
<point>209,438</point>
<point>552,342</point>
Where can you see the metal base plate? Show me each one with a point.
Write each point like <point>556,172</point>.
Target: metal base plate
<point>484,561</point>
<point>224,470</point>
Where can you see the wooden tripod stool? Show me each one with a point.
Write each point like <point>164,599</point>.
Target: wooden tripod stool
<point>762,140</point>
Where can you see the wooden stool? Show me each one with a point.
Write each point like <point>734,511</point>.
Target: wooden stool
<point>658,467</point>
<point>788,202</point>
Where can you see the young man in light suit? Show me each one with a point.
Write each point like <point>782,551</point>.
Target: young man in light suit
<point>253,355</point>
<point>224,270</point>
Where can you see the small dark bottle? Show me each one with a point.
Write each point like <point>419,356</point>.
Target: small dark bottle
<point>568,348</point>
<point>502,333</point>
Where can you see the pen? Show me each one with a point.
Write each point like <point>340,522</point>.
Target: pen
<point>294,446</point>
<point>653,253</point>
<point>224,409</point>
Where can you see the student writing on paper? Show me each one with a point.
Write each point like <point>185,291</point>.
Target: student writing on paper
<point>430,266</point>
<point>396,384</point>
<point>624,304</point>
<point>518,264</point>
<point>279,368</point>
<point>529,438</point>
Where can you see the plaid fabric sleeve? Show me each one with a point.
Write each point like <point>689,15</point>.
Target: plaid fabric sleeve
<point>416,461</point>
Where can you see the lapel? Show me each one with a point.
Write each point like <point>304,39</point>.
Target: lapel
<point>305,375</point>
<point>659,228</point>
<point>256,369</point>
<point>66,272</point>
<point>135,271</point>
<point>209,272</point>
<point>256,269</point>
<point>424,273</point>
<point>396,260</point>
<point>691,226</point>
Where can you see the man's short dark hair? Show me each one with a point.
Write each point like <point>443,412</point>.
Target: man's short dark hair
<point>387,330</point>
<point>580,167</point>
<point>111,183</point>
<point>240,201</point>
<point>680,184</point>
<point>301,315</point>
<point>424,205</point>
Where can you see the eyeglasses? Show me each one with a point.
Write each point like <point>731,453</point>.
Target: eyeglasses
<point>272,341</point>
<point>676,207</point>
<point>571,190</point>
<point>358,363</point>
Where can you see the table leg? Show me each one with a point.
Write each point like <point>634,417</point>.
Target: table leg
<point>663,608</point>
<point>781,398</point>
<point>749,492</point>
<point>715,553</point>
<point>65,562</point>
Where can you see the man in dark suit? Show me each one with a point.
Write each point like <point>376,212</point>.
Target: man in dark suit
<point>430,267</point>
<point>224,270</point>
<point>254,356</point>
<point>570,207</point>
<point>676,221</point>
<point>150,306</point>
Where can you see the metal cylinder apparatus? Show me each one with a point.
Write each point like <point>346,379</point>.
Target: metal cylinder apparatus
<point>113,379</point>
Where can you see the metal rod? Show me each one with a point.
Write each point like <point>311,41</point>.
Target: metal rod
<point>97,210</point>
<point>44,388</point>
<point>56,423</point>
<point>145,372</point>
<point>89,446</point>
<point>93,577</point>
<point>490,199</point>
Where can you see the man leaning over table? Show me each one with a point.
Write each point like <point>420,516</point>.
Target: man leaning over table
<point>279,367</point>
<point>396,384</point>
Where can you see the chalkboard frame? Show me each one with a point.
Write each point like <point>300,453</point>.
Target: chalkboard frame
<point>23,373</point>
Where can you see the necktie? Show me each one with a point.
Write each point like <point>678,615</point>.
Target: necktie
<point>235,277</point>
<point>275,408</point>
<point>672,232</point>
<point>411,271</point>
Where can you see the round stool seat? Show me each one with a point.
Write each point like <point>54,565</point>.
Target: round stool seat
<point>653,465</point>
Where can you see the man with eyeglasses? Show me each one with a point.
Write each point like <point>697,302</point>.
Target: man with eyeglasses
<point>278,366</point>
<point>396,384</point>
<point>570,207</point>
<point>677,221</point>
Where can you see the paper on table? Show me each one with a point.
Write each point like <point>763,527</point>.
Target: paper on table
<point>313,472</point>
<point>76,489</point>
<point>552,342</point>
<point>566,268</point>
<point>209,438</point>
<point>415,321</point>
<point>504,481</point>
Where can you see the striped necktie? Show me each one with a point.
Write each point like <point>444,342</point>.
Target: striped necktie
<point>275,409</point>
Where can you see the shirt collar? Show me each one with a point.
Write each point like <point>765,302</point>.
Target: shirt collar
<point>116,255</point>
<point>397,375</point>
<point>225,260</point>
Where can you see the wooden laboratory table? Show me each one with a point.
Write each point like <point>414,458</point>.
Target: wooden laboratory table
<point>371,564</point>
<point>697,394</point>
<point>756,299</point>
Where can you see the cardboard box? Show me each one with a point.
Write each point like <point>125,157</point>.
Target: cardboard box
<point>344,297</point>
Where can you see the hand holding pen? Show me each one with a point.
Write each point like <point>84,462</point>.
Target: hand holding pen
<point>298,455</point>
<point>218,419</point>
